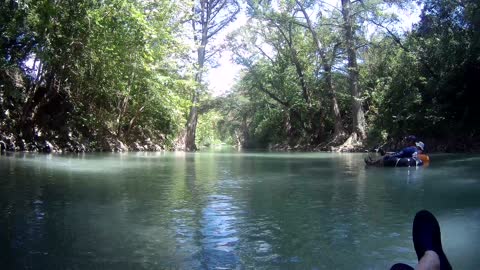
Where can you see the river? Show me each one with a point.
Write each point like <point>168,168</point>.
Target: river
<point>230,210</point>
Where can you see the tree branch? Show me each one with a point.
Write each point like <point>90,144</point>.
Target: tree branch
<point>401,45</point>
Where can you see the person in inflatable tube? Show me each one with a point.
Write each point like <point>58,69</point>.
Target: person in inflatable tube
<point>407,157</point>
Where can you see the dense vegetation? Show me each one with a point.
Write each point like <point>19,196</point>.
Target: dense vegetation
<point>118,74</point>
<point>92,74</point>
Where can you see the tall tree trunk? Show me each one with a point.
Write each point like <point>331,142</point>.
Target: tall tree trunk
<point>192,124</point>
<point>244,127</point>
<point>301,76</point>
<point>211,17</point>
<point>122,109</point>
<point>132,121</point>
<point>358,132</point>
<point>193,115</point>
<point>339,131</point>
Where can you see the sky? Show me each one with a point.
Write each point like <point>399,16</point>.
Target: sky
<point>222,78</point>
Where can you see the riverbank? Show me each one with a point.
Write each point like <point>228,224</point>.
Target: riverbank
<point>450,145</point>
<point>13,143</point>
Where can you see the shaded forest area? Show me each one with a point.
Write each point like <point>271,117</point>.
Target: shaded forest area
<point>121,75</point>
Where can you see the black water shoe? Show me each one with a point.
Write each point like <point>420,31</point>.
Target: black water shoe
<point>426,236</point>
<point>401,266</point>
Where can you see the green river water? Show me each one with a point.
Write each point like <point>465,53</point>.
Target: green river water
<point>220,210</point>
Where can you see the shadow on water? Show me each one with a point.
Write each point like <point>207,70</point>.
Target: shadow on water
<point>229,210</point>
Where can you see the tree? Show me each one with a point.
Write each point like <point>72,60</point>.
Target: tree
<point>422,82</point>
<point>90,71</point>
<point>327,63</point>
<point>358,126</point>
<point>209,18</point>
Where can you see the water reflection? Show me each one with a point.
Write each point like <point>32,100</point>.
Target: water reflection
<point>228,211</point>
<point>219,233</point>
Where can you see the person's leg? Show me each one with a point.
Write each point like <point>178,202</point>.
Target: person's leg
<point>427,243</point>
<point>375,162</point>
<point>429,261</point>
<point>427,237</point>
<point>370,161</point>
<point>401,266</point>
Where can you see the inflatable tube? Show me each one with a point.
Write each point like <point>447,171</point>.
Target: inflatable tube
<point>402,162</point>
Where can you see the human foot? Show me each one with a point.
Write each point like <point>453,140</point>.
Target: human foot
<point>426,236</point>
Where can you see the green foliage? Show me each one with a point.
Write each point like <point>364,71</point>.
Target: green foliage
<point>208,129</point>
<point>285,79</point>
<point>422,82</point>
<point>427,86</point>
<point>107,66</point>
<point>95,71</point>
